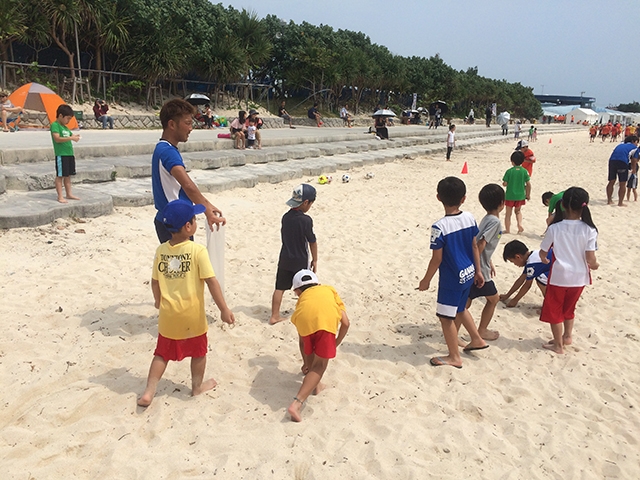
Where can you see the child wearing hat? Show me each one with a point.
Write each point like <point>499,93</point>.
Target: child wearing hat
<point>319,316</point>
<point>180,270</point>
<point>298,240</point>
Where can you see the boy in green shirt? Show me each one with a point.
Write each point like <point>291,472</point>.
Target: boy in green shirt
<point>516,179</point>
<point>63,150</point>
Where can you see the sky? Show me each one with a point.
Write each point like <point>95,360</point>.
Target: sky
<point>558,47</point>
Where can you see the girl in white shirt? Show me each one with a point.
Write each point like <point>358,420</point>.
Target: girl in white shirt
<point>573,237</point>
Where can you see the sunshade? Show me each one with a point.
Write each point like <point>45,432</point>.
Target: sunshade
<point>504,118</point>
<point>197,99</point>
<point>34,96</point>
<point>383,113</point>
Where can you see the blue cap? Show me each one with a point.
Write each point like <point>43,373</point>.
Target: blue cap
<point>300,194</point>
<point>177,213</point>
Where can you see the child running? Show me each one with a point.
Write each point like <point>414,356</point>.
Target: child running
<point>489,232</point>
<point>516,179</point>
<point>455,254</point>
<point>573,237</point>
<point>180,270</point>
<point>318,317</point>
<point>517,253</point>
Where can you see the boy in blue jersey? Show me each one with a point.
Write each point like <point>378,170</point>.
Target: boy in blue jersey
<point>169,177</point>
<point>624,157</point>
<point>455,254</point>
<point>517,253</point>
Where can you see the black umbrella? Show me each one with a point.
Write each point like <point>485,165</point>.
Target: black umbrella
<point>197,99</point>
<point>444,108</point>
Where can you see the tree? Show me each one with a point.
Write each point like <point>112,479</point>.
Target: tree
<point>13,24</point>
<point>633,107</point>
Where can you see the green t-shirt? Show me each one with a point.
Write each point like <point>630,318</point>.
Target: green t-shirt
<point>64,149</point>
<point>554,200</point>
<point>516,178</point>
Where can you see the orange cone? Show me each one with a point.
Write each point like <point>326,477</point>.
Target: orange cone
<point>465,168</point>
<point>549,140</point>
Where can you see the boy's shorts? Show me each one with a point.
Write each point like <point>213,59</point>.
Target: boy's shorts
<point>177,350</point>
<point>488,289</point>
<point>452,302</point>
<point>65,165</point>
<point>620,169</point>
<point>321,343</point>
<point>284,279</point>
<point>633,181</point>
<point>560,304</point>
<point>515,203</point>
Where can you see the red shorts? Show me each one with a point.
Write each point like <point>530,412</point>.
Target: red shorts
<point>560,303</point>
<point>515,203</point>
<point>322,343</point>
<point>176,350</point>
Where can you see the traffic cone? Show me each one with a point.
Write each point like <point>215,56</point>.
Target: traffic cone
<point>549,140</point>
<point>465,168</point>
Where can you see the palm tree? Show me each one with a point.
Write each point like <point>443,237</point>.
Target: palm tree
<point>13,24</point>
<point>63,17</point>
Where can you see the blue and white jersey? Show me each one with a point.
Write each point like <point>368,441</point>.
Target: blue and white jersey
<point>625,152</point>
<point>536,269</point>
<point>165,187</point>
<point>454,234</point>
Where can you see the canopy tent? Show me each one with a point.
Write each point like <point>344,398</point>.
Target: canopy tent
<point>33,96</point>
<point>582,114</point>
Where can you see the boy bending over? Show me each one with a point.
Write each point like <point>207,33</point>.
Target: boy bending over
<point>517,253</point>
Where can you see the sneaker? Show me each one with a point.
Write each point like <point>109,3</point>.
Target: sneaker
<point>378,138</point>
<point>291,126</point>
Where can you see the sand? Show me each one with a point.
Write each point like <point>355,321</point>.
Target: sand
<point>79,329</point>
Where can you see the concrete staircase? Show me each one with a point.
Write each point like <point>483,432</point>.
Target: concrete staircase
<point>119,174</point>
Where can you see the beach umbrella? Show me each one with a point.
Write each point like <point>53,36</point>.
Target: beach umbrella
<point>383,113</point>
<point>34,96</point>
<point>504,118</point>
<point>197,99</point>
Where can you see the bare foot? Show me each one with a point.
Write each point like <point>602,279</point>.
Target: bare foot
<point>62,200</point>
<point>622,205</point>
<point>489,334</point>
<point>205,387</point>
<point>520,229</point>
<point>72,197</point>
<point>506,231</point>
<point>552,346</point>
<point>278,319</point>
<point>320,387</point>
<point>565,341</point>
<point>146,398</point>
<point>294,410</point>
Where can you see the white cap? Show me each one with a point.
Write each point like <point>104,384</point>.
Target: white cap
<point>304,277</point>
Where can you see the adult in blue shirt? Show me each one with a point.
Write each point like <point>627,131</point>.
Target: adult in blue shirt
<point>623,157</point>
<point>169,177</point>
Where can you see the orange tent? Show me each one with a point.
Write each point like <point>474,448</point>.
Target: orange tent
<point>34,96</point>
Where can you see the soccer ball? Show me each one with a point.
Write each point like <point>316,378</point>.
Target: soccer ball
<point>322,180</point>
<point>346,178</point>
<point>369,175</point>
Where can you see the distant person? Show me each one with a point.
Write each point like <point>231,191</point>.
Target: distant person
<point>593,133</point>
<point>455,255</point>
<point>100,109</point>
<point>10,113</point>
<point>321,320</point>
<point>238,130</point>
<point>517,253</point>
<point>380,126</point>
<point>63,150</point>
<point>314,114</point>
<point>530,134</point>
<point>298,241</point>
<point>516,179</point>
<point>258,123</point>
<point>573,236</point>
<point>438,116</point>
<point>345,115</point>
<point>470,117</point>
<point>529,156</point>
<point>282,113</point>
<point>488,113</point>
<point>632,183</point>
<point>251,133</point>
<point>550,200</point>
<point>181,268</point>
<point>623,158</point>
<point>451,140</point>
<point>208,116</point>
<point>517,129</point>
<point>169,178</point>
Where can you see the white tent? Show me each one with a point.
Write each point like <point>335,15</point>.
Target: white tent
<point>582,114</point>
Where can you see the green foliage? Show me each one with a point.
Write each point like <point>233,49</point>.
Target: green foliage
<point>633,107</point>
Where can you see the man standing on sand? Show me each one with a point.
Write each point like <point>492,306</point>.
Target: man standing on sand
<point>169,177</point>
<point>624,154</point>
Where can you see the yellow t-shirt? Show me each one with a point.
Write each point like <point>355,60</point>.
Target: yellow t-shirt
<point>318,308</point>
<point>180,270</point>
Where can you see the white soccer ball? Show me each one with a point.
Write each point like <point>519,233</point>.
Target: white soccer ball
<point>369,175</point>
<point>346,178</point>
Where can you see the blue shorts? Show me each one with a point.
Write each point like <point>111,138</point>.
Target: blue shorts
<point>452,302</point>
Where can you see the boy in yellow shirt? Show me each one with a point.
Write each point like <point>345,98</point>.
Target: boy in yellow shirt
<point>319,312</point>
<point>180,270</point>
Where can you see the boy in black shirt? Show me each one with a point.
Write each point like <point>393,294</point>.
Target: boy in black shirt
<point>296,233</point>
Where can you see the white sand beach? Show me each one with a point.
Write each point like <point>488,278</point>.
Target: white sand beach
<point>79,329</point>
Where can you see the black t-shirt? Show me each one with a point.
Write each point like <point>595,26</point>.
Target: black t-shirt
<point>296,232</point>
<point>312,113</point>
<point>281,111</point>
